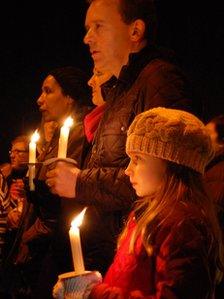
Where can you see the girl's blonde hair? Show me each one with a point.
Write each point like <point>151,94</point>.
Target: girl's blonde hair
<point>181,184</point>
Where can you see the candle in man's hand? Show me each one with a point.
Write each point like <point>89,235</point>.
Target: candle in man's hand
<point>74,234</point>
<point>32,159</point>
<point>63,140</point>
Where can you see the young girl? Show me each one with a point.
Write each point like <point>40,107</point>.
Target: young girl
<point>171,246</point>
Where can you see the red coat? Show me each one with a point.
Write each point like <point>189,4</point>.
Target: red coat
<point>181,266</point>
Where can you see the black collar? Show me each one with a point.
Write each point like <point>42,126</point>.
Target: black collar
<point>137,61</point>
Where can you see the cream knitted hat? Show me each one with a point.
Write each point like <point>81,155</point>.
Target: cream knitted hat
<point>173,135</point>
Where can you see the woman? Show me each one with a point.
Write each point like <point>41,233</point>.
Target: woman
<point>171,246</point>
<point>91,121</point>
<point>43,251</point>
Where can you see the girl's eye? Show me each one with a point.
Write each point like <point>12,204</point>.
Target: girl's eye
<point>135,160</point>
<point>47,90</point>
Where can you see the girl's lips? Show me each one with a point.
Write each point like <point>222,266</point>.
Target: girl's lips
<point>133,184</point>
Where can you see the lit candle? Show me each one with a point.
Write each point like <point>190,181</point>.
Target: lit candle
<point>32,159</point>
<point>74,235</point>
<point>63,140</point>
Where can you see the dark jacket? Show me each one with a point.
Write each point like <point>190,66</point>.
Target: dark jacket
<point>214,183</point>
<point>182,264</point>
<point>149,80</point>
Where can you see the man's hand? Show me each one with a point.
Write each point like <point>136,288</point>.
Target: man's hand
<point>62,179</point>
<point>17,189</point>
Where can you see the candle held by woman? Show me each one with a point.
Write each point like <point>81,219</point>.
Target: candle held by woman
<point>63,140</point>
<point>32,158</point>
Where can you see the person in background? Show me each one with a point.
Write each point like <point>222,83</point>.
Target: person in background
<point>44,249</point>
<point>214,176</point>
<point>14,207</point>
<point>19,155</point>
<point>91,120</point>
<point>5,206</point>
<point>171,246</point>
<point>121,39</point>
<point>4,209</point>
<point>6,169</point>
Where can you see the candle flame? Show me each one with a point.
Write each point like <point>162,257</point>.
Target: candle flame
<point>35,137</point>
<point>77,221</point>
<point>68,122</point>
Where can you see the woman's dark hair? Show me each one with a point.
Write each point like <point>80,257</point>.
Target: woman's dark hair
<point>73,83</point>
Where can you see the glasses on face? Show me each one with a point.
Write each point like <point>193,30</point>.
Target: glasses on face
<point>17,152</point>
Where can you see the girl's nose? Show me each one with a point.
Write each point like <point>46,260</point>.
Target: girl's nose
<point>128,169</point>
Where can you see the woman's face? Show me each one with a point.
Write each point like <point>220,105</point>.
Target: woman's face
<point>146,173</point>
<point>95,83</point>
<point>52,103</point>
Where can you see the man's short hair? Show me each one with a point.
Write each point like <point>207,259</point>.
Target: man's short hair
<point>145,10</point>
<point>23,139</point>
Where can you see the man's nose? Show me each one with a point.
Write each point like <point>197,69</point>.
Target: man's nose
<point>40,100</point>
<point>88,38</point>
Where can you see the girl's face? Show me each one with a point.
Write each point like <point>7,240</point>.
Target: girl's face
<point>146,173</point>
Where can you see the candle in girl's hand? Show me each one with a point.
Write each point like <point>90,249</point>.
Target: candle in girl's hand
<point>32,159</point>
<point>63,140</point>
<point>74,235</point>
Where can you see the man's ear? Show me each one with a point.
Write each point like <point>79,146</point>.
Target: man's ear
<point>137,30</point>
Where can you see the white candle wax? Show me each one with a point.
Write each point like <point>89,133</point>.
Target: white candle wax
<point>63,139</point>
<point>74,235</point>
<point>32,152</point>
<point>32,159</point>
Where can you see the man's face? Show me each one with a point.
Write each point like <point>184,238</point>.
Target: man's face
<point>108,37</point>
<point>53,104</point>
<point>18,155</point>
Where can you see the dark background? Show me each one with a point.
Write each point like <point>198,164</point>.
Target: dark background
<point>35,38</point>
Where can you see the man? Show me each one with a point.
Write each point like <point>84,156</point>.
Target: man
<point>120,35</point>
<point>19,155</point>
<point>12,205</point>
